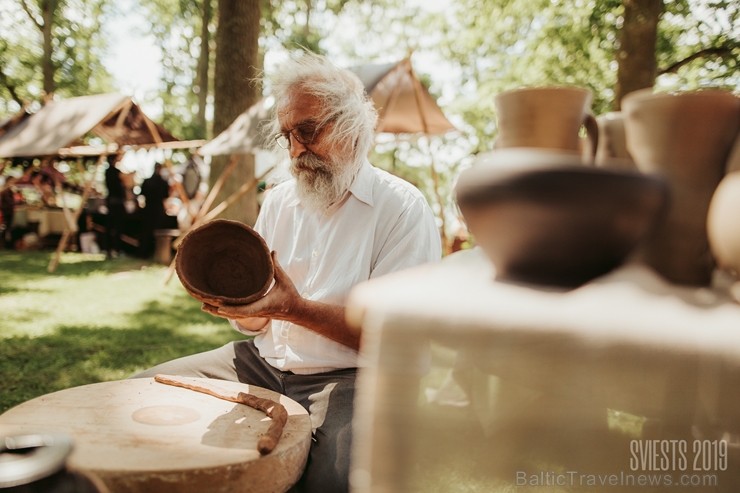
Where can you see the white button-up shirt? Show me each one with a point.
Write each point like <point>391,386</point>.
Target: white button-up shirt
<point>384,224</point>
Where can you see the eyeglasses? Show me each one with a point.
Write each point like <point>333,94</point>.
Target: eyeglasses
<point>305,133</point>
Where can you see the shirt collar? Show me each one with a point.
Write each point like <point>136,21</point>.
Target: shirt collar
<point>362,186</point>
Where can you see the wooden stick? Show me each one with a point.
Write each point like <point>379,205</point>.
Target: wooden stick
<point>272,409</point>
<point>213,192</point>
<point>208,215</point>
<point>208,200</point>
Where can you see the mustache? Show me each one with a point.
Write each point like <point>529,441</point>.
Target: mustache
<point>310,162</point>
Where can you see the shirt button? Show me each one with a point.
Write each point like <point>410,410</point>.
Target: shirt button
<point>314,254</point>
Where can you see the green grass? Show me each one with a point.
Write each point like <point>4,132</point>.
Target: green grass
<point>91,320</point>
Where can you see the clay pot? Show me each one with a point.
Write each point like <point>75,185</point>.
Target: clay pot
<point>225,260</point>
<point>612,151</point>
<point>545,117</point>
<point>723,226</point>
<point>543,218</point>
<point>686,138</point>
<point>37,462</point>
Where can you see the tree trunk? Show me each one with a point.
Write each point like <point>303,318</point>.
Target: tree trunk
<point>235,90</point>
<point>636,59</point>
<point>204,59</point>
<point>47,64</point>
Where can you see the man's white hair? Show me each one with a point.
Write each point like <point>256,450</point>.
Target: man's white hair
<point>342,99</point>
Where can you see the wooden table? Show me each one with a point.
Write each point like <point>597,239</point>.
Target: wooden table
<point>627,341</point>
<point>142,436</point>
<point>48,221</point>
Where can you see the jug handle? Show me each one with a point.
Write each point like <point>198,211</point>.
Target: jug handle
<point>592,131</point>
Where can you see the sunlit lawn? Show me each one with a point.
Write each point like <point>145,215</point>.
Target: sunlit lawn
<point>91,320</point>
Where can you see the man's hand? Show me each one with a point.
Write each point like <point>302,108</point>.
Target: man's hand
<point>283,302</point>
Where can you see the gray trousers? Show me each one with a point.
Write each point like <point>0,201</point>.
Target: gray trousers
<point>328,397</point>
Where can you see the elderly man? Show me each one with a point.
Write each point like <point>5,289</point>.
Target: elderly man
<point>340,222</point>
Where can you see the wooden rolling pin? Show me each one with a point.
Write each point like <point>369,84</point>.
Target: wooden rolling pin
<point>273,410</point>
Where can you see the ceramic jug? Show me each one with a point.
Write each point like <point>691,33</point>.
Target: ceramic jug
<point>612,150</point>
<point>546,117</point>
<point>723,226</point>
<point>687,138</point>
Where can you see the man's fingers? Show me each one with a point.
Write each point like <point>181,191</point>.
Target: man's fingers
<point>279,272</point>
<point>213,310</point>
<point>219,311</point>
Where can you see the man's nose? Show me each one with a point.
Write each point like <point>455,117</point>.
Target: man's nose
<point>296,148</point>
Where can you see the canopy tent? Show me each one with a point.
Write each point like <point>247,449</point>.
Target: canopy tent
<point>112,117</point>
<point>404,106</point>
<point>61,128</point>
<point>245,135</point>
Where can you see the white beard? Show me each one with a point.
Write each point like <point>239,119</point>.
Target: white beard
<point>321,183</point>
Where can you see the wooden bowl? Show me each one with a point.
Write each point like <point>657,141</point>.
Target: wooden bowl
<point>544,218</point>
<point>225,260</point>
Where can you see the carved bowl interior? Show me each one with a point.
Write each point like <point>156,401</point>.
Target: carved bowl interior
<point>544,218</point>
<point>225,260</point>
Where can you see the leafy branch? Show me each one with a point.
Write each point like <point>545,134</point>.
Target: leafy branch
<point>715,51</point>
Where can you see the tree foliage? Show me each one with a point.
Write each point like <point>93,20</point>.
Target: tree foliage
<point>67,61</point>
<point>516,43</point>
<point>466,51</point>
<point>177,27</point>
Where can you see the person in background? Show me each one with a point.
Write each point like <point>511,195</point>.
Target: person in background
<point>155,191</point>
<point>114,202</point>
<point>7,209</point>
<point>340,221</point>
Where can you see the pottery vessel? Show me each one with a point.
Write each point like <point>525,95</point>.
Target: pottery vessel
<point>225,260</point>
<point>543,218</point>
<point>37,462</point>
<point>612,151</point>
<point>686,138</point>
<point>723,223</point>
<point>545,117</point>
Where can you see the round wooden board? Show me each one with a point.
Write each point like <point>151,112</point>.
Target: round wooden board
<point>138,435</point>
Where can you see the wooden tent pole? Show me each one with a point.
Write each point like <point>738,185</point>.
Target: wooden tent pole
<point>435,177</point>
<point>234,197</point>
<point>152,130</point>
<point>123,114</point>
<point>179,188</point>
<point>65,210</point>
<point>233,160</point>
<point>203,209</point>
<point>68,230</point>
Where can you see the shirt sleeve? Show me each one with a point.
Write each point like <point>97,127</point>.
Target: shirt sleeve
<point>265,215</point>
<point>414,240</point>
<point>238,327</point>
